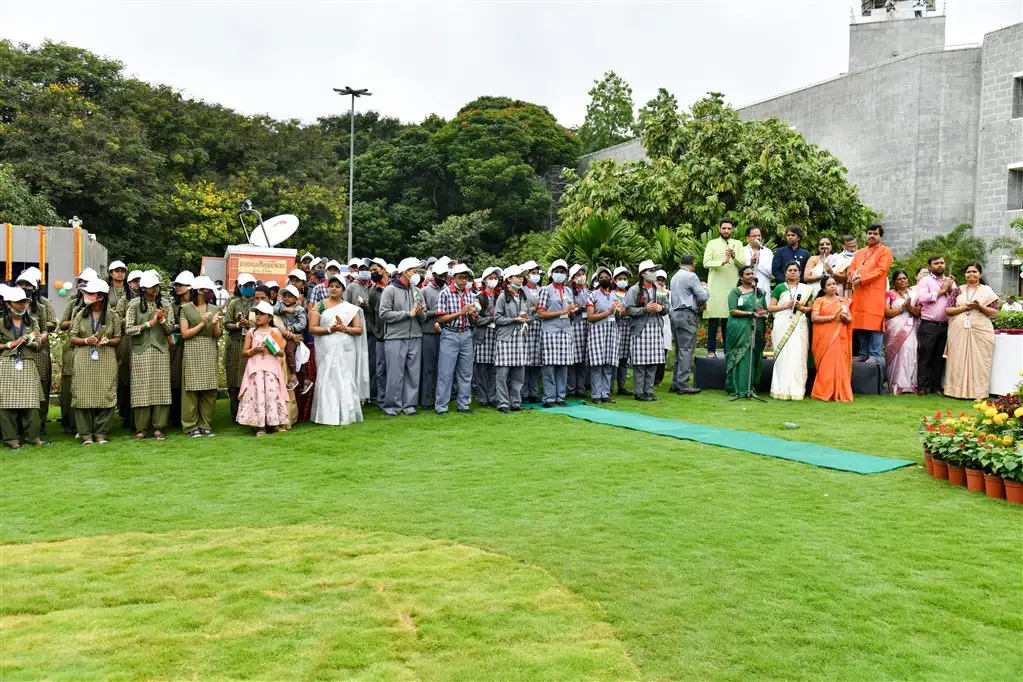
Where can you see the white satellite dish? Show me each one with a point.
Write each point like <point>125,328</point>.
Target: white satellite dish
<point>277,229</point>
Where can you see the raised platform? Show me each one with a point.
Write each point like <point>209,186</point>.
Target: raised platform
<point>867,379</point>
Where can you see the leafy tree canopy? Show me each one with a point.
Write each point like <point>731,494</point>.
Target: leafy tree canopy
<point>609,117</point>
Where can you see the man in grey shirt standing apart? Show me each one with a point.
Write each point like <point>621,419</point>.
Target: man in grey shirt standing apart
<point>687,294</point>
<point>402,311</point>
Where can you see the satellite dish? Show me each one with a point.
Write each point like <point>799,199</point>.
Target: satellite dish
<point>277,230</point>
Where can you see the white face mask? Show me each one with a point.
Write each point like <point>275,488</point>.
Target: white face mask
<point>534,279</point>
<point>559,277</point>
<point>622,284</point>
<point>650,276</point>
<point>580,280</point>
<point>491,283</point>
<point>415,279</point>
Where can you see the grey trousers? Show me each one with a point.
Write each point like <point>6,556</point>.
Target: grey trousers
<point>643,377</point>
<point>555,383</point>
<point>485,383</point>
<point>19,425</point>
<point>402,388</point>
<point>428,373</point>
<point>454,367</point>
<point>601,379</point>
<point>578,378</point>
<point>509,386</point>
<point>683,332</point>
<point>623,374</point>
<point>373,346</point>
<point>380,378</point>
<point>531,382</point>
<point>94,423</point>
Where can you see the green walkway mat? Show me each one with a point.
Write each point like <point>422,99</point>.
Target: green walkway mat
<point>758,444</point>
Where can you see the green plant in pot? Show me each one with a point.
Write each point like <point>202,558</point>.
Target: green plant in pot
<point>1011,470</point>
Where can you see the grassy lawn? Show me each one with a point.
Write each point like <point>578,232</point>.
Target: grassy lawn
<point>525,546</point>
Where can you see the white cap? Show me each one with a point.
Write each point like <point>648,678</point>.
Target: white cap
<point>442,266</point>
<point>621,270</point>
<point>575,270</point>
<point>662,274</point>
<point>245,278</point>
<point>264,307</point>
<point>340,279</point>
<point>150,278</point>
<point>600,269</point>
<point>529,265</point>
<point>28,276</point>
<point>512,271</point>
<point>271,284</point>
<point>96,286</point>
<point>559,263</point>
<point>461,269</point>
<point>134,274</point>
<point>391,267</point>
<point>381,262</point>
<point>315,262</point>
<point>290,290</point>
<point>409,264</point>
<point>116,264</point>
<point>648,265</point>
<point>306,255</point>
<point>13,294</point>
<point>203,282</point>
<point>492,270</point>
<point>34,272</point>
<point>184,278</point>
<point>297,274</point>
<point>87,274</point>
<point>355,262</point>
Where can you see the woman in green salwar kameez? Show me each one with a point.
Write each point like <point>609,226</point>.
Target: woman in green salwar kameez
<point>747,307</point>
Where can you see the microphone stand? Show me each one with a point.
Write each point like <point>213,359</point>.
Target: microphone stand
<point>750,393</point>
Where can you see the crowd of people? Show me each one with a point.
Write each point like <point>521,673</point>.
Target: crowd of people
<point>333,339</point>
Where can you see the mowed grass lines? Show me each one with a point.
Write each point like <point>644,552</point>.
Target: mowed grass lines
<point>707,563</point>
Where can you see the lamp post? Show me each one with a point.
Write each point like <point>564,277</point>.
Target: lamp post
<point>351,157</point>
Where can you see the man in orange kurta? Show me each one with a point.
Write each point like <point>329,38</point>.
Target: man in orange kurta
<point>869,278</point>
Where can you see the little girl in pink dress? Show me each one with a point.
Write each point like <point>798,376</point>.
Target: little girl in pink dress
<point>263,395</point>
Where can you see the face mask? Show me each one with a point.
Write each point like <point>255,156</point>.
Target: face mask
<point>441,280</point>
<point>534,279</point>
<point>622,284</point>
<point>415,279</point>
<point>559,277</point>
<point>90,298</point>
<point>491,283</point>
<point>650,277</point>
<point>17,313</point>
<point>580,280</point>
<point>248,292</point>
<point>605,283</point>
<point>365,275</point>
<point>459,285</point>
<point>514,286</point>
<point>376,276</point>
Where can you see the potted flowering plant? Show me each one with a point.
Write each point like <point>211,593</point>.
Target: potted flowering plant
<point>1012,474</point>
<point>991,459</point>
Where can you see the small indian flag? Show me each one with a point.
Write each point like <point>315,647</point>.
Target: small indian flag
<point>271,345</point>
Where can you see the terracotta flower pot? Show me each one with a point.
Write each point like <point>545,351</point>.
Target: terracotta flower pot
<point>928,463</point>
<point>994,487</point>
<point>1013,491</point>
<point>956,474</point>
<point>975,480</point>
<point>940,470</point>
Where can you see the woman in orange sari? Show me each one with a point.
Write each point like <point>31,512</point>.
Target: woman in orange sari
<point>832,344</point>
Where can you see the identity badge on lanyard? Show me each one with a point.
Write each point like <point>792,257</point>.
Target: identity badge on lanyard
<point>18,365</point>
<point>94,354</point>
<point>966,322</point>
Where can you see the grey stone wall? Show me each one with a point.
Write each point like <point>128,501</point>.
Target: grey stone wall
<point>626,151</point>
<point>1000,143</point>
<point>878,41</point>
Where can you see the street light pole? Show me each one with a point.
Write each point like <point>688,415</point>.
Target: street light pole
<point>351,157</point>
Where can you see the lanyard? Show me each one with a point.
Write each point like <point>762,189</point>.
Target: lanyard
<point>95,324</point>
<point>17,332</point>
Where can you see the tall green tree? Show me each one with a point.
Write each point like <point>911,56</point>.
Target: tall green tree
<point>461,237</point>
<point>19,206</point>
<point>659,124</point>
<point>609,115</point>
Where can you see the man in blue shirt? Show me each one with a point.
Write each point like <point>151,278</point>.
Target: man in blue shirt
<point>688,293</point>
<point>790,252</point>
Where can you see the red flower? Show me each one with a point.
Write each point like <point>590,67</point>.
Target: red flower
<point>987,447</point>
<point>937,415</point>
<point>948,413</point>
<point>951,432</point>
<point>931,428</point>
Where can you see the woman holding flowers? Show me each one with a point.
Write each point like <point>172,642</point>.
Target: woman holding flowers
<point>971,338</point>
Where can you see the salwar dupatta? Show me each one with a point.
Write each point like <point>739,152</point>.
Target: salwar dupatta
<point>739,375</point>
<point>832,353</point>
<point>970,350</point>
<point>790,338</point>
<point>901,345</point>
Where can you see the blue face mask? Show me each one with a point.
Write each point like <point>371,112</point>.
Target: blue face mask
<point>559,277</point>
<point>365,275</point>
<point>534,279</point>
<point>248,292</point>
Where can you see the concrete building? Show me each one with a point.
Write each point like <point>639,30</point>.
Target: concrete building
<point>931,134</point>
<point>59,252</point>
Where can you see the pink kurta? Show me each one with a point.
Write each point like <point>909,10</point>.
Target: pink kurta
<point>263,395</point>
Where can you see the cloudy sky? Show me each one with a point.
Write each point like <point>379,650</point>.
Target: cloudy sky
<point>281,57</point>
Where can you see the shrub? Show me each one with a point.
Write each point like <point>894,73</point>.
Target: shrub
<point>1008,319</point>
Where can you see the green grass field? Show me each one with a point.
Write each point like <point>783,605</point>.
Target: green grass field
<point>521,547</point>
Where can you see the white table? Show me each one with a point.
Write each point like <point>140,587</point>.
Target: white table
<point>1007,363</point>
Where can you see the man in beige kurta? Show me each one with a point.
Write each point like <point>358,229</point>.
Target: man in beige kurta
<point>723,257</point>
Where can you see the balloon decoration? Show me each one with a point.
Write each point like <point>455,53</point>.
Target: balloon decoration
<point>58,284</point>
<point>62,291</point>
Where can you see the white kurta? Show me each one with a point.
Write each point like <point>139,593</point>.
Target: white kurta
<point>342,370</point>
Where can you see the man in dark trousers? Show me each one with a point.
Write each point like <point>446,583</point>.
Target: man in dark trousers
<point>934,293</point>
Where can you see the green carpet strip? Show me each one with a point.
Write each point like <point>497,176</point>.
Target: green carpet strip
<point>758,444</point>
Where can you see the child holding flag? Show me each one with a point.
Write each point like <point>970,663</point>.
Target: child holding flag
<point>262,398</point>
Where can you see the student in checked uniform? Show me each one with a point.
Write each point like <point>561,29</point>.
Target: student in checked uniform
<point>403,311</point>
<point>121,293</point>
<point>511,315</point>
<point>200,329</point>
<point>19,379</point>
<point>621,283</point>
<point>456,311</point>
<point>95,334</point>
<point>438,280</point>
<point>603,338</point>
<point>646,311</point>
<point>554,306</point>
<point>67,364</point>
<point>578,373</point>
<point>181,294</point>
<point>534,354</point>
<point>485,331</point>
<point>236,321</point>
<point>147,328</point>
<point>40,308</point>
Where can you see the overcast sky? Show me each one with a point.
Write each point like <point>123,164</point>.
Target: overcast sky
<point>281,57</point>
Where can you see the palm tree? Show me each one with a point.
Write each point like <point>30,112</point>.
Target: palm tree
<point>666,247</point>
<point>602,240</point>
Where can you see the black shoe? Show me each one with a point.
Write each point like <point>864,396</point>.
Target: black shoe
<point>609,400</point>
<point>640,398</point>
<point>561,403</point>
<point>597,401</point>
<point>652,398</point>
<point>503,410</point>
<point>548,406</point>
<point>515,408</point>
<point>690,390</point>
<point>467,411</point>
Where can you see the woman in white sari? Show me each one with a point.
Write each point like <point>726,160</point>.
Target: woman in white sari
<point>790,336</point>
<point>342,359</point>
